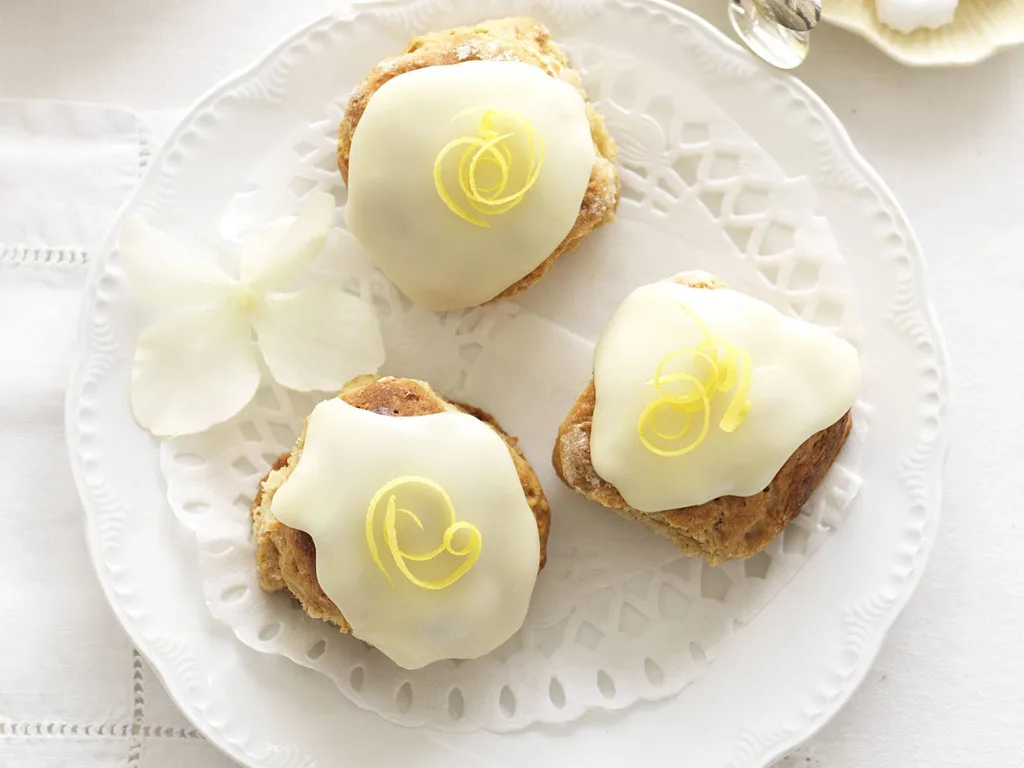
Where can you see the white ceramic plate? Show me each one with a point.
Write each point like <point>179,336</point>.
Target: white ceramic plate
<point>772,684</point>
<point>980,29</point>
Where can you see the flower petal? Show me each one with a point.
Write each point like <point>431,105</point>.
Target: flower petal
<point>318,338</point>
<point>257,246</point>
<point>298,246</point>
<point>340,261</point>
<point>192,370</point>
<point>247,211</point>
<point>166,273</point>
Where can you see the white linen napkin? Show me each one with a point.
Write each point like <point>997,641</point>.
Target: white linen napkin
<point>73,691</point>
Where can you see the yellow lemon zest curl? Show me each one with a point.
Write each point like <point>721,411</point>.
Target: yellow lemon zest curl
<point>728,370</point>
<point>471,551</point>
<point>490,148</point>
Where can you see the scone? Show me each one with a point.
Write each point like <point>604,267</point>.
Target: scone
<point>451,232</point>
<point>710,419</point>
<point>385,451</point>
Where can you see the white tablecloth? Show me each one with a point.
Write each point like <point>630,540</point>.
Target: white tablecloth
<point>948,688</point>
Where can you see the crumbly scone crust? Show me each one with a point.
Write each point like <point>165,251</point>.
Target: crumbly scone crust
<point>512,39</point>
<point>722,529</point>
<point>286,557</point>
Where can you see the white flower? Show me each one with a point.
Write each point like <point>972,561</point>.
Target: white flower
<point>200,365</point>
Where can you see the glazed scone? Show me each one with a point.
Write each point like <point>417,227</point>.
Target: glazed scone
<point>713,527</point>
<point>497,42</point>
<point>286,557</point>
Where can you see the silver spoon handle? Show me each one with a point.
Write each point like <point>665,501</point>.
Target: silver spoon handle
<point>774,42</point>
<point>797,15</point>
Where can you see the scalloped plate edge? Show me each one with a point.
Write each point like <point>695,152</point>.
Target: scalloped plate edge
<point>782,743</point>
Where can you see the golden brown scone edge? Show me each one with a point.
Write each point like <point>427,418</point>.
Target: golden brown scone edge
<point>286,557</point>
<point>722,529</point>
<point>511,39</point>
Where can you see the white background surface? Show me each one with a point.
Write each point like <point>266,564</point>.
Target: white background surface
<point>948,687</point>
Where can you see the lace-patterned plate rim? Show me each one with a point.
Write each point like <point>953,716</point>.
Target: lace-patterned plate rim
<point>173,640</point>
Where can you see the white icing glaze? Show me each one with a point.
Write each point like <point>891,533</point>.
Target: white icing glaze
<point>348,455</point>
<point>804,379</point>
<point>909,15</point>
<point>436,258</point>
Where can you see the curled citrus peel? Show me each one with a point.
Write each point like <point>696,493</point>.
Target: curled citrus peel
<point>471,551</point>
<point>490,150</point>
<point>684,394</point>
